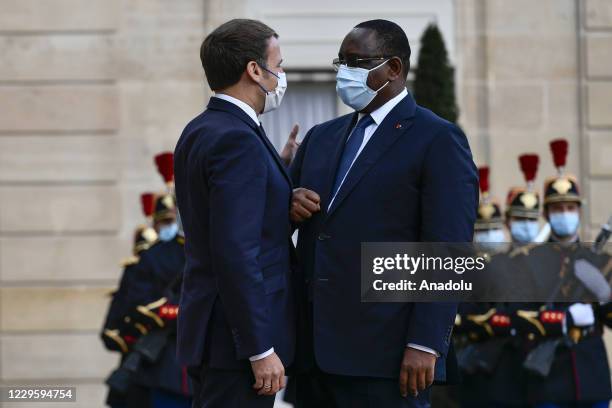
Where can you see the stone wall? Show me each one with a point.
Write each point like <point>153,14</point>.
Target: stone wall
<point>90,91</point>
<point>530,72</point>
<point>596,93</point>
<point>518,84</point>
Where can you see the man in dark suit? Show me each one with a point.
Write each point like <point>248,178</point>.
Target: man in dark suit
<point>236,326</point>
<point>391,171</point>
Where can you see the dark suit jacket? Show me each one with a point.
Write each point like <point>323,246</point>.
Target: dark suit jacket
<point>233,195</point>
<point>414,181</point>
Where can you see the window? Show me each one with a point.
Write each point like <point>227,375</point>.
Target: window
<point>310,99</point>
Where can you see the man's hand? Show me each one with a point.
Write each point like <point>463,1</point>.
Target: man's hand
<point>304,203</point>
<point>291,146</point>
<point>417,372</point>
<point>269,375</point>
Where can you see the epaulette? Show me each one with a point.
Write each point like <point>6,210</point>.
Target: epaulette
<point>115,336</point>
<point>522,250</point>
<point>484,255</point>
<point>157,241</point>
<point>532,317</point>
<point>131,260</point>
<point>482,320</point>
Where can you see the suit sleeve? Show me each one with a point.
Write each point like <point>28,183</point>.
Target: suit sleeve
<point>449,201</point>
<point>295,170</point>
<point>237,180</point>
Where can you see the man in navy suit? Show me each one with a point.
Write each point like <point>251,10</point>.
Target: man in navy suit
<point>390,171</point>
<point>236,325</point>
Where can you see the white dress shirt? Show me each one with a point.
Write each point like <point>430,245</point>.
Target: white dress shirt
<point>242,105</point>
<point>378,116</point>
<point>251,112</point>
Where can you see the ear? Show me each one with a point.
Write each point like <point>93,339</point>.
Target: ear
<point>254,71</point>
<point>395,69</point>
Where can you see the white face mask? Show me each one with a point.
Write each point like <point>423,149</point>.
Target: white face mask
<point>168,232</point>
<point>524,231</point>
<point>352,86</point>
<point>275,97</point>
<point>564,224</point>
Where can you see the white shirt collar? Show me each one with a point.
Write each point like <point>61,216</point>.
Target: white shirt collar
<point>381,113</point>
<point>242,105</point>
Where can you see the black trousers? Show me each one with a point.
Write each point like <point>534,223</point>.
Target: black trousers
<point>214,388</point>
<point>317,389</point>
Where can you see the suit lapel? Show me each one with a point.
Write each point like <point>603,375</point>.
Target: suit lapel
<point>341,136</point>
<point>225,106</point>
<point>395,124</point>
<point>262,135</point>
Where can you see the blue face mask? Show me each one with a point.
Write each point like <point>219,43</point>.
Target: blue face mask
<point>564,224</point>
<point>168,232</point>
<point>352,86</point>
<point>524,231</point>
<point>490,240</point>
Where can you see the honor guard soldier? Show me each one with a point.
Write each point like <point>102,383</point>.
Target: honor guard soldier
<point>489,226</point>
<point>523,204</point>
<point>500,352</point>
<point>567,364</point>
<point>482,332</point>
<point>117,334</point>
<point>164,162</point>
<point>160,271</point>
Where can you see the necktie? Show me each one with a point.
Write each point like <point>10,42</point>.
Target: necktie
<point>350,151</point>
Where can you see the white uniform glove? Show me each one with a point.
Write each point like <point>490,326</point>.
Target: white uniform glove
<point>582,314</point>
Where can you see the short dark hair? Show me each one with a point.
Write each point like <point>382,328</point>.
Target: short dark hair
<point>391,39</point>
<point>226,51</point>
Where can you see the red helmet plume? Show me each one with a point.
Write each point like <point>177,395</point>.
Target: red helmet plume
<point>483,177</point>
<point>147,200</point>
<point>529,166</point>
<point>165,166</point>
<point>559,149</point>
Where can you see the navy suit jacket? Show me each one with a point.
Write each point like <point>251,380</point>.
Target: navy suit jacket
<point>414,181</point>
<point>233,194</point>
